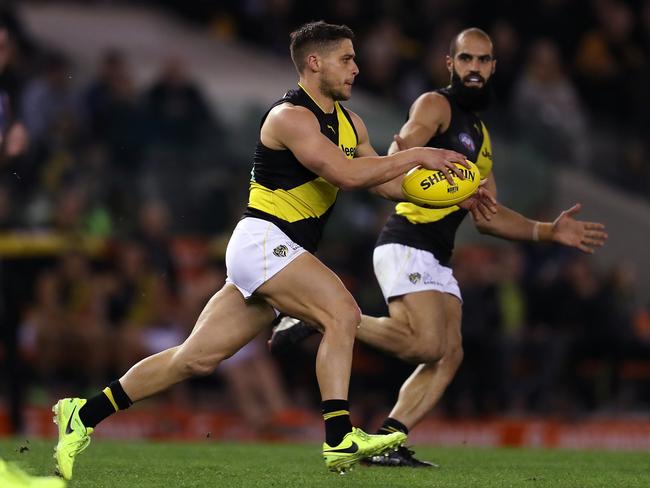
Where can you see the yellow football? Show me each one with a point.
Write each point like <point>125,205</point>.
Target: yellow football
<point>430,188</point>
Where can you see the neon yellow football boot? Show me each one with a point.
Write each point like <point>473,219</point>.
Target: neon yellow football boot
<point>11,476</point>
<point>74,436</point>
<point>357,445</point>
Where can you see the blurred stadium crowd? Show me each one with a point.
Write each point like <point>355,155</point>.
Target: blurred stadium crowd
<point>545,331</point>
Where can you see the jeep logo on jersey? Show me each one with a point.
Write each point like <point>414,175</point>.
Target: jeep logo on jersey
<point>349,151</point>
<point>281,251</point>
<point>414,277</point>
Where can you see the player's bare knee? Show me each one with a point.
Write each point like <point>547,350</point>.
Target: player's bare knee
<point>196,366</point>
<point>425,345</point>
<point>425,352</point>
<point>201,366</point>
<point>433,352</point>
<point>344,321</point>
<point>453,358</point>
<point>354,316</point>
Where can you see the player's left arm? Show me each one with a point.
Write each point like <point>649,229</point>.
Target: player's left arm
<point>565,229</point>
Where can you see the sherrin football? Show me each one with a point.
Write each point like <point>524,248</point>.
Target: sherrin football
<point>430,188</point>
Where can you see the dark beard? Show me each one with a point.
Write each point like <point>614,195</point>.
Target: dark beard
<point>469,97</point>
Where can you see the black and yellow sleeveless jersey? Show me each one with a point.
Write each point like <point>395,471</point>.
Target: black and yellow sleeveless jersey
<point>285,192</point>
<point>434,230</point>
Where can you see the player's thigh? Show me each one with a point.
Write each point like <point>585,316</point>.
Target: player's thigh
<point>451,355</point>
<point>423,312</point>
<point>226,324</point>
<point>309,290</point>
<point>454,316</point>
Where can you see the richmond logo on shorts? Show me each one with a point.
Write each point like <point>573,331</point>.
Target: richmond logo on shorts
<point>414,277</point>
<point>281,251</point>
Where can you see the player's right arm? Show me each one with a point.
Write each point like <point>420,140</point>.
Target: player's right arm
<point>296,129</point>
<point>428,115</point>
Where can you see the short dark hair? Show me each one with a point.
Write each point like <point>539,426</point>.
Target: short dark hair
<point>475,31</point>
<point>315,34</point>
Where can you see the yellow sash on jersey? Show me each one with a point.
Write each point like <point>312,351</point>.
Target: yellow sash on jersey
<point>311,199</point>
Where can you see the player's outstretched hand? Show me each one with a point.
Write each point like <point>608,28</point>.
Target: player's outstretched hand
<point>586,236</point>
<point>443,160</point>
<point>481,204</point>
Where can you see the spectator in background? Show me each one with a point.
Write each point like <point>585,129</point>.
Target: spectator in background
<point>114,111</point>
<point>69,211</point>
<point>178,113</point>
<point>429,71</point>
<point>613,330</point>
<point>477,384</point>
<point>141,308</point>
<point>13,133</point>
<point>185,144</point>
<point>66,321</point>
<point>610,61</point>
<point>633,171</point>
<point>546,104</point>
<point>444,17</point>
<point>254,379</point>
<point>117,131</point>
<point>380,53</point>
<point>512,307</point>
<point>50,99</point>
<point>437,71</point>
<point>51,113</point>
<point>43,329</point>
<point>562,20</point>
<point>84,301</point>
<point>578,294</point>
<point>153,233</point>
<point>507,49</point>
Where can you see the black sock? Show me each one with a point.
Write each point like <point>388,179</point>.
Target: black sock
<point>104,404</point>
<point>337,421</point>
<point>391,425</point>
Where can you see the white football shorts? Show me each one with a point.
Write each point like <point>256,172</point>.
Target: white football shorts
<point>257,250</point>
<point>403,269</point>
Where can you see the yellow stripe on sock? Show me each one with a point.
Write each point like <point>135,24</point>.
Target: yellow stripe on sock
<point>336,413</point>
<point>109,394</point>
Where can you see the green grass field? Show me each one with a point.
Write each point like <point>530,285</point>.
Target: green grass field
<point>210,464</point>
